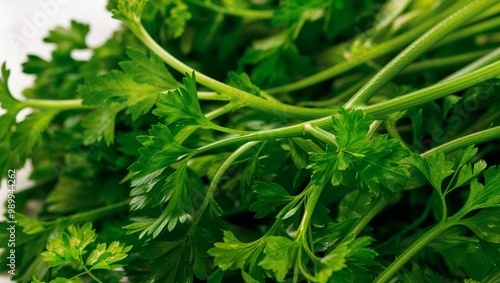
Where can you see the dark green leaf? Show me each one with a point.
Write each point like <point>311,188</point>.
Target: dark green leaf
<point>270,196</point>
<point>485,224</point>
<point>487,195</point>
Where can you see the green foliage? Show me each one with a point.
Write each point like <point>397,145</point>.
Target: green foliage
<point>375,161</point>
<point>181,107</point>
<point>69,247</point>
<point>298,147</point>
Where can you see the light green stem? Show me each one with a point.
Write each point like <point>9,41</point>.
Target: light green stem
<point>362,57</point>
<point>434,92</point>
<point>463,142</point>
<point>47,104</point>
<point>415,49</point>
<point>411,251</point>
<point>483,61</point>
<point>267,106</point>
<point>477,28</point>
<point>218,176</point>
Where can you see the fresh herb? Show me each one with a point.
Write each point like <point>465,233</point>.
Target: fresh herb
<point>278,141</point>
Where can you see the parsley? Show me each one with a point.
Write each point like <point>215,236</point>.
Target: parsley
<point>261,141</point>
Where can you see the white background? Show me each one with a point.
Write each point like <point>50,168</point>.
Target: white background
<point>23,25</point>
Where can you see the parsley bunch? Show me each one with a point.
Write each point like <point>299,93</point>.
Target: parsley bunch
<point>262,141</point>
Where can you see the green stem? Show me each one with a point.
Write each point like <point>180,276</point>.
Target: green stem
<point>417,67</point>
<point>463,142</point>
<point>433,92</point>
<point>432,64</point>
<point>88,271</point>
<point>181,136</point>
<point>210,95</point>
<point>77,275</point>
<point>375,208</point>
<point>314,192</point>
<point>378,110</point>
<point>47,104</point>
<point>233,11</point>
<point>487,59</point>
<point>321,134</point>
<point>415,49</point>
<point>484,121</point>
<point>218,176</point>
<point>478,28</point>
<point>393,132</point>
<point>411,251</point>
<point>228,130</point>
<point>247,99</point>
<point>362,57</point>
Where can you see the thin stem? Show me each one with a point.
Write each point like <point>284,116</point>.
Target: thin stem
<point>245,98</point>
<point>433,92</point>
<point>393,132</point>
<point>229,130</point>
<point>210,95</point>
<point>411,251</point>
<point>444,62</point>
<point>218,176</point>
<point>314,192</point>
<point>484,121</point>
<point>415,49</point>
<point>478,28</point>
<point>47,104</point>
<point>78,275</point>
<point>88,271</point>
<point>476,138</point>
<point>483,61</point>
<point>321,134</point>
<point>188,130</point>
<point>375,208</point>
<point>362,57</point>
<point>234,11</point>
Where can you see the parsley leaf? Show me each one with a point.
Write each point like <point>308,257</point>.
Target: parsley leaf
<point>280,256</point>
<point>70,246</point>
<point>181,105</point>
<point>373,163</point>
<point>159,151</point>
<point>487,195</point>
<point>69,39</point>
<point>174,191</point>
<point>233,254</point>
<point>292,11</point>
<point>485,224</point>
<point>8,103</point>
<point>107,257</point>
<point>151,71</point>
<point>269,196</point>
<point>179,16</point>
<point>435,168</point>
